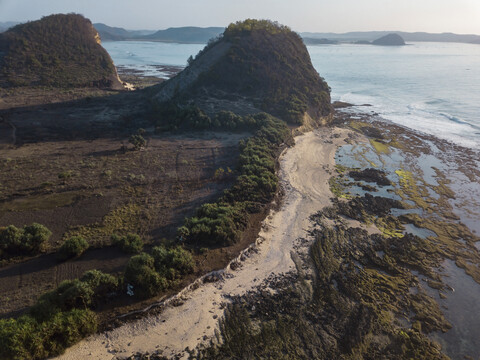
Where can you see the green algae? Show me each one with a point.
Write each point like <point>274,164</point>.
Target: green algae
<point>390,226</point>
<point>411,191</point>
<point>338,187</point>
<point>380,146</point>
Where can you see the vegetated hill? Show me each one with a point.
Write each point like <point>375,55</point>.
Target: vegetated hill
<point>389,40</point>
<point>58,50</point>
<point>188,34</point>
<point>111,33</point>
<point>260,65</point>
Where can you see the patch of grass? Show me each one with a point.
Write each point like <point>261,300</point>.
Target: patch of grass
<point>123,220</point>
<point>41,202</point>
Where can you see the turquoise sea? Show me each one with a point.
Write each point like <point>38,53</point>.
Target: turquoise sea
<point>430,87</point>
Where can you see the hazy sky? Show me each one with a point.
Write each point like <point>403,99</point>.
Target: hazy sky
<point>459,16</point>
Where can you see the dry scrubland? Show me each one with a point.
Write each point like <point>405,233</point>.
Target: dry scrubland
<point>93,189</point>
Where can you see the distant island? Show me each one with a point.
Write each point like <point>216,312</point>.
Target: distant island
<point>389,40</point>
<point>365,37</point>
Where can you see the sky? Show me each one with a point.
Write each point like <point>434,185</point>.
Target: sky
<point>458,16</point>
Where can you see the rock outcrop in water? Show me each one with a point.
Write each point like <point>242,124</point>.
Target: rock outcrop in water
<point>58,50</point>
<point>390,40</point>
<point>254,66</point>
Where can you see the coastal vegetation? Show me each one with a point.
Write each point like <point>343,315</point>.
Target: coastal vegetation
<point>220,223</point>
<point>29,240</point>
<point>59,319</point>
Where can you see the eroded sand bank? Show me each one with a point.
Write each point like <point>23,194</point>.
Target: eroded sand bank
<point>305,170</point>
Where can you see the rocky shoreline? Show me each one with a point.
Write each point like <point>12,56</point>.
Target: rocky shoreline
<point>374,292</point>
<point>366,232</point>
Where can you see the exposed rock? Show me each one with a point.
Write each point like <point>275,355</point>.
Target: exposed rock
<point>370,175</point>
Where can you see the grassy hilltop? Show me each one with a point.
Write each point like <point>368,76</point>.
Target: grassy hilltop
<point>59,51</point>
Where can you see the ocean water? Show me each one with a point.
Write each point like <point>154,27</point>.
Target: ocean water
<point>429,87</point>
<point>145,55</point>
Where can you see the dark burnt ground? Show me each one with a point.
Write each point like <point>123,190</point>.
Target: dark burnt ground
<point>92,188</point>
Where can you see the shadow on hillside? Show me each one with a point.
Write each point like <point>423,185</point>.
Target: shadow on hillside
<point>82,119</point>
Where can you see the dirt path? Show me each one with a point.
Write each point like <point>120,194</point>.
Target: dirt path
<point>305,170</point>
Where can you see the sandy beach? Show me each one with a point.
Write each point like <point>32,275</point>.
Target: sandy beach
<point>304,172</point>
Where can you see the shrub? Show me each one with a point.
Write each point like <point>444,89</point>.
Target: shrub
<point>59,319</point>
<point>101,283</point>
<point>172,263</point>
<point>138,141</point>
<point>35,236</point>
<point>72,247</point>
<point>81,293</point>
<point>27,338</point>
<point>131,243</point>
<point>216,224</point>
<point>29,240</point>
<point>70,294</point>
<point>140,273</point>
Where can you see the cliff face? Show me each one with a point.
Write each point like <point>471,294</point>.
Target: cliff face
<point>263,65</point>
<point>59,51</point>
<point>390,40</point>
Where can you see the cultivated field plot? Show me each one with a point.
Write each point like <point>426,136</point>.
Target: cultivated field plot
<point>94,189</point>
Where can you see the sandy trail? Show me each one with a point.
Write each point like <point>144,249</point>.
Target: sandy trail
<point>305,170</point>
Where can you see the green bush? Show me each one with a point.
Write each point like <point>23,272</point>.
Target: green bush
<point>70,294</point>
<point>35,237</point>
<point>172,263</point>
<point>27,338</point>
<point>138,141</point>
<point>216,224</point>
<point>131,243</point>
<point>59,319</point>
<point>72,247</point>
<point>29,240</point>
<point>101,283</point>
<point>141,274</point>
<point>83,293</point>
